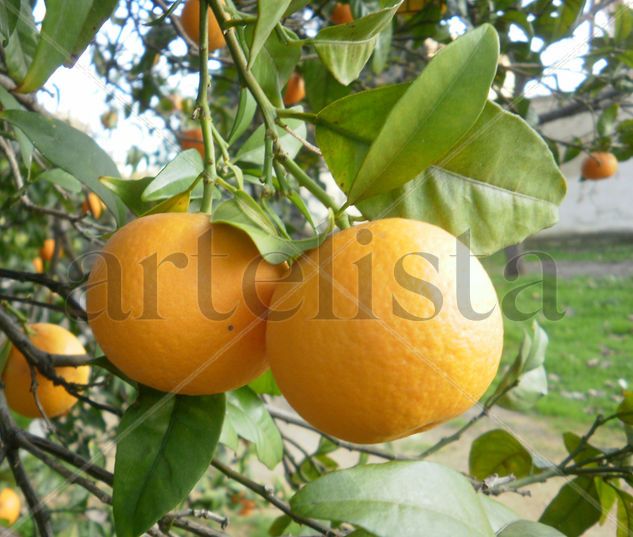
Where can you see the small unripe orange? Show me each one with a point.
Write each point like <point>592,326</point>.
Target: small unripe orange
<point>93,204</point>
<point>190,20</point>
<point>10,505</point>
<point>47,250</point>
<point>599,165</point>
<point>341,14</point>
<point>192,139</point>
<point>295,90</point>
<point>38,265</point>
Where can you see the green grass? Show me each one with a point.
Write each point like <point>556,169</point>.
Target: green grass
<point>591,347</point>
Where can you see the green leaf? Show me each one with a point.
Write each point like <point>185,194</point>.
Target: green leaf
<point>252,150</point>
<point>72,151</point>
<point>526,528</point>
<point>176,204</point>
<point>623,23</point>
<point>245,112</point>
<point>100,11</point>
<point>572,441</point>
<point>441,105</point>
<point>271,246</point>
<point>344,49</point>
<point>9,12</point>
<point>248,416</point>
<point>321,87</point>
<point>166,443</point>
<point>625,409</point>
<point>265,384</point>
<point>608,119</point>
<point>625,514</point>
<point>608,496</point>
<point>22,43</point>
<point>498,452</point>
<point>573,511</point>
<point>501,199</point>
<point>61,178</point>
<point>129,192</point>
<point>382,49</point>
<point>397,498</point>
<point>176,177</point>
<point>499,515</point>
<point>61,28</point>
<point>9,102</point>
<point>269,13</point>
<point>558,22</point>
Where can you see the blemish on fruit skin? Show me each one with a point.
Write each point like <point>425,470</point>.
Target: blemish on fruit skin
<point>231,328</point>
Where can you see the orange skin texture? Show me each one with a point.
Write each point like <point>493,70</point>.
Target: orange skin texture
<point>55,400</point>
<point>93,204</point>
<point>341,14</point>
<point>192,139</point>
<point>47,250</point>
<point>295,90</point>
<point>188,349</point>
<point>190,20</point>
<point>370,380</point>
<point>10,505</point>
<point>38,265</point>
<point>599,165</point>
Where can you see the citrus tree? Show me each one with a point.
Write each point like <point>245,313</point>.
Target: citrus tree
<point>309,227</point>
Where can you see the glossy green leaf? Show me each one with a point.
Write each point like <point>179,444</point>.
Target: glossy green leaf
<point>397,498</point>
<point>61,28</point>
<point>560,21</point>
<point>248,416</point>
<point>381,51</point>
<point>100,11</point>
<point>179,203</point>
<point>71,150</point>
<point>510,194</point>
<point>265,384</point>
<point>572,442</point>
<point>22,43</point>
<point>526,528</point>
<point>608,496</point>
<point>575,508</point>
<point>245,113</point>
<point>9,102</point>
<point>499,515</point>
<point>625,514</point>
<point>9,11</point>
<point>175,177</point>
<point>441,105</point>
<point>273,248</point>
<point>269,13</point>
<point>295,5</point>
<point>61,178</point>
<point>253,151</point>
<point>321,87</point>
<point>498,452</point>
<point>165,444</point>
<point>623,23</point>
<point>607,120</point>
<point>129,191</point>
<point>625,408</point>
<point>345,49</point>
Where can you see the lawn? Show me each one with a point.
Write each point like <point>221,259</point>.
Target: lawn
<point>590,356</point>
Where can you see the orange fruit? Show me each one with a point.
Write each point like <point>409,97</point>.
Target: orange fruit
<point>192,139</point>
<point>190,20</point>
<point>9,506</point>
<point>93,204</point>
<point>295,90</point>
<point>409,7</point>
<point>55,400</point>
<point>366,356</point>
<point>341,14</point>
<point>48,249</point>
<point>38,265</point>
<point>194,325</point>
<point>599,165</point>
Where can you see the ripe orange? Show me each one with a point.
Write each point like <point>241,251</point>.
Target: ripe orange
<point>295,90</point>
<point>93,204</point>
<point>194,325</point>
<point>55,400</point>
<point>38,265</point>
<point>599,165</point>
<point>409,7</point>
<point>341,14</point>
<point>48,249</point>
<point>192,139</point>
<point>356,360</point>
<point>9,506</point>
<point>190,20</point>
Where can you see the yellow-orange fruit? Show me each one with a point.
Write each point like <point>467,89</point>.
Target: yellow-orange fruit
<point>190,20</point>
<point>295,90</point>
<point>341,14</point>
<point>409,7</point>
<point>192,139</point>
<point>599,165</point>
<point>48,249</point>
<point>55,400</point>
<point>379,346</point>
<point>38,265</point>
<point>93,204</point>
<point>10,505</point>
<point>179,304</point>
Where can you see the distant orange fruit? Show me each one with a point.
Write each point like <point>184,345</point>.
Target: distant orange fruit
<point>93,204</point>
<point>295,90</point>
<point>192,139</point>
<point>341,14</point>
<point>190,20</point>
<point>409,7</point>
<point>55,400</point>
<point>599,165</point>
<point>38,265</point>
<point>194,323</point>
<point>384,340</point>
<point>48,249</point>
<point>10,505</point>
